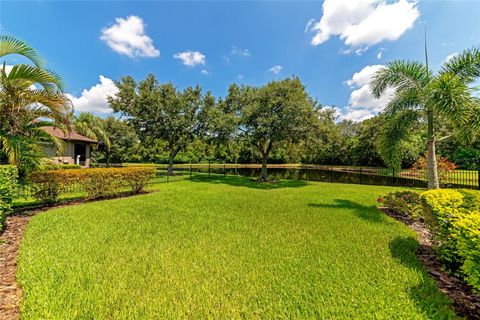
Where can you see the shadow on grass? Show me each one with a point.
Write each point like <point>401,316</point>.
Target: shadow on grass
<point>248,182</point>
<point>368,213</point>
<point>426,296</point>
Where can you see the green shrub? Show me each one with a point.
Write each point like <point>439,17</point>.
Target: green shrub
<point>454,220</point>
<point>8,183</point>
<point>60,166</point>
<point>47,186</point>
<point>442,208</point>
<point>97,183</point>
<point>405,202</point>
<point>468,247</point>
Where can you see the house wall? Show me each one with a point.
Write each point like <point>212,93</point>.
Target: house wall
<point>67,157</point>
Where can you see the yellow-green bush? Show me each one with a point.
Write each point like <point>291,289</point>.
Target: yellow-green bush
<point>60,166</point>
<point>454,220</point>
<point>8,182</point>
<point>97,183</point>
<point>468,246</point>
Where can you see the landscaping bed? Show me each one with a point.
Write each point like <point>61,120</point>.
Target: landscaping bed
<point>465,301</point>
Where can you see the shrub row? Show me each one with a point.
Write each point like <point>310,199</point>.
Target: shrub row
<point>48,185</point>
<point>454,220</point>
<point>60,166</point>
<point>453,217</point>
<point>8,182</point>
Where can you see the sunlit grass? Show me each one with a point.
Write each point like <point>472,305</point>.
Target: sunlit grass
<point>227,248</point>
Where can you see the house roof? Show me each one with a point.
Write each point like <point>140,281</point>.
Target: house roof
<point>72,135</point>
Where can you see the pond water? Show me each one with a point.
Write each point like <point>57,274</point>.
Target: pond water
<point>321,175</point>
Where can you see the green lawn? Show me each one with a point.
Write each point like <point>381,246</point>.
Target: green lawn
<point>223,249</point>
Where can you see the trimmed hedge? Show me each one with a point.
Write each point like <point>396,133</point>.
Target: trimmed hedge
<point>453,217</point>
<point>60,166</point>
<point>454,220</point>
<point>8,182</point>
<point>97,183</point>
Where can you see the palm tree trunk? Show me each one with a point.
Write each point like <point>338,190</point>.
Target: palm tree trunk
<point>432,172</point>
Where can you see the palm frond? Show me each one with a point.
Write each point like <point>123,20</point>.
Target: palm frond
<point>395,130</point>
<point>466,65</point>
<point>10,145</point>
<point>36,75</point>
<point>402,100</point>
<point>42,137</point>
<point>402,75</point>
<point>449,95</point>
<point>10,45</point>
<point>93,127</point>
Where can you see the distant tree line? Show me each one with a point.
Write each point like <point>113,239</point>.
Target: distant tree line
<point>275,123</point>
<point>335,142</point>
<point>278,122</point>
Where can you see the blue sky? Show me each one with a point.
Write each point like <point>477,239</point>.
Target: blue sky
<point>217,43</point>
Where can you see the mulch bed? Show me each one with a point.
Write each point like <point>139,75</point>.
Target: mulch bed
<point>10,292</point>
<point>465,302</point>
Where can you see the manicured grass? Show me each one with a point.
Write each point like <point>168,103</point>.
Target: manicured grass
<point>227,248</point>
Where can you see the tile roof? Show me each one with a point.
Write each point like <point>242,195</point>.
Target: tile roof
<point>72,135</point>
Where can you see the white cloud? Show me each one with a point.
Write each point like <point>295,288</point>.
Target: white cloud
<point>127,37</point>
<point>309,25</point>
<point>362,23</point>
<point>362,104</point>
<point>380,53</point>
<point>450,56</point>
<point>240,52</point>
<point>363,76</point>
<point>95,98</point>
<point>191,58</point>
<point>205,72</point>
<point>276,69</point>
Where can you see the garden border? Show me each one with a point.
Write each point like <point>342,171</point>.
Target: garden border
<point>465,302</point>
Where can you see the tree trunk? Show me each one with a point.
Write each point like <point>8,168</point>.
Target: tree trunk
<point>264,167</point>
<point>170,163</point>
<point>432,172</point>
<point>108,159</point>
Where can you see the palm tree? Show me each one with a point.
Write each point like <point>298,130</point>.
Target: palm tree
<point>421,97</point>
<point>29,95</point>
<point>10,45</point>
<point>94,127</point>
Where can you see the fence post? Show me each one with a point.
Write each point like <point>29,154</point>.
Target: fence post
<point>168,176</point>
<point>478,173</point>
<point>306,172</point>
<point>190,171</point>
<point>393,175</point>
<point>224,170</point>
<point>208,170</point>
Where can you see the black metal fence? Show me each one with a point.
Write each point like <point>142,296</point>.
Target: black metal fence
<point>458,178</point>
<point>342,174</point>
